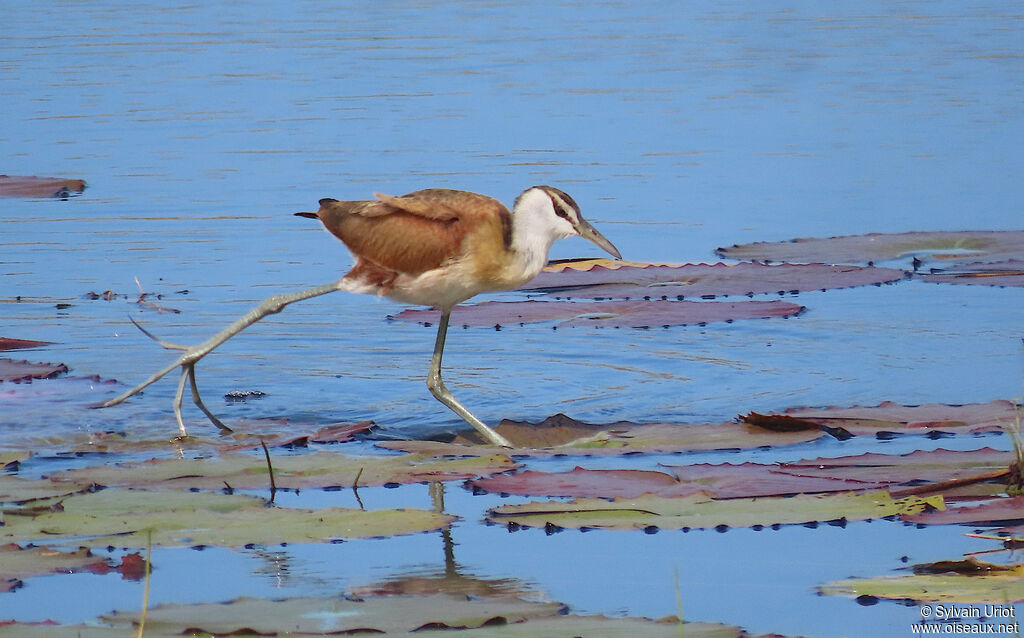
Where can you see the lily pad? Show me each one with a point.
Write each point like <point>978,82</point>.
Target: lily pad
<point>560,435</point>
<point>986,583</point>
<point>335,616</point>
<point>320,469</point>
<point>19,371</point>
<point>927,419</point>
<point>950,247</point>
<point>1005,273</point>
<point>606,314</point>
<point>125,518</point>
<point>997,511</point>
<point>18,563</point>
<point>28,186</point>
<point>611,280</point>
<point>701,511</point>
<point>19,344</point>
<point>19,491</point>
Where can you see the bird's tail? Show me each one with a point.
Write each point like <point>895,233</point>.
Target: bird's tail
<point>309,215</point>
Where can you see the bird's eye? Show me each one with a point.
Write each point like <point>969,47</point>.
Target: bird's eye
<point>561,212</point>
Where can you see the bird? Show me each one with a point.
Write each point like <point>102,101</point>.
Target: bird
<point>434,247</point>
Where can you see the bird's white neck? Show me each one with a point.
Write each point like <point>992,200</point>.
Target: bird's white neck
<point>534,228</point>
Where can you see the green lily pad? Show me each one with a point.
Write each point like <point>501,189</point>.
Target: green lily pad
<point>123,518</point>
<point>701,511</point>
<point>20,491</point>
<point>319,469</point>
<point>984,583</point>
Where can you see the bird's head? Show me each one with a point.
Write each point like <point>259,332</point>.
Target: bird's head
<point>559,213</point>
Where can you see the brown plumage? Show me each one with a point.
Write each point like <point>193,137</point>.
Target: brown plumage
<point>417,232</point>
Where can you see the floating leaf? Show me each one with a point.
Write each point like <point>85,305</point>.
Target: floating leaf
<point>649,281</point>
<point>15,186</point>
<point>18,371</point>
<point>985,583</point>
<point>1005,273</point>
<point>929,419</point>
<point>336,616</point>
<point>701,511</point>
<point>320,469</point>
<point>605,314</point>
<point>955,246</point>
<point>17,490</point>
<point>1002,510</point>
<point>18,344</point>
<point>18,563</point>
<point>562,435</point>
<point>126,517</point>
<point>937,469</point>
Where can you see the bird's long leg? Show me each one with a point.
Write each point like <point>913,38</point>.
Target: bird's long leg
<point>438,389</point>
<point>191,356</point>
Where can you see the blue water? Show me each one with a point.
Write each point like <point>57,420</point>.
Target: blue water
<point>200,128</point>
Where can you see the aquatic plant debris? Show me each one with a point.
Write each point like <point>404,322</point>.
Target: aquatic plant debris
<point>125,518</point>
<point>30,186</point>
<point>302,471</point>
<point>701,511</point>
<point>964,581</point>
<point>605,314</point>
<point>608,279</point>
<point>947,247</point>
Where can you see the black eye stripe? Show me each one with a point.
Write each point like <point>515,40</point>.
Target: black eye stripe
<point>562,213</point>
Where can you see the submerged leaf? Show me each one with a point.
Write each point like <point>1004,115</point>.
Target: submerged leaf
<point>649,281</point>
<point>701,511</point>
<point>606,314</point>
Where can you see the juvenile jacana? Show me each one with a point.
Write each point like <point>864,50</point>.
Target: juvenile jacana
<point>433,247</point>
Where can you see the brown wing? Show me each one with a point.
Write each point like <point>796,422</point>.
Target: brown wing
<point>415,232</point>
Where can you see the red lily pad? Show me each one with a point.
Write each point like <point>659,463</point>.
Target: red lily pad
<point>607,314</point>
<point>863,472</point>
<point>928,419</point>
<point>950,247</point>
<point>14,186</point>
<point>19,371</point>
<point>1002,510</point>
<point>601,281</point>
<point>1003,273</point>
<point>7,343</point>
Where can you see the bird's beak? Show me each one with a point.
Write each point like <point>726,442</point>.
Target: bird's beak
<point>589,232</point>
